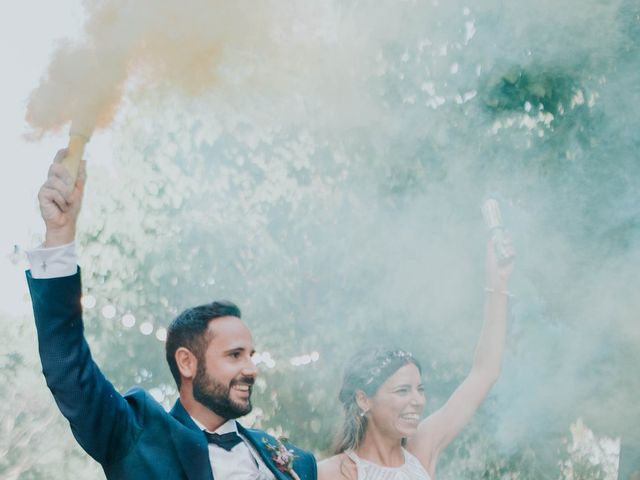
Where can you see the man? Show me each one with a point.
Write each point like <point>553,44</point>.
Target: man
<point>209,352</point>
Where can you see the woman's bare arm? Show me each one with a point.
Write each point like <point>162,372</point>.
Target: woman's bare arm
<point>440,428</point>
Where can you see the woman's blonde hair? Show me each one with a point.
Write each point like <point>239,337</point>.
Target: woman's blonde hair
<point>365,371</point>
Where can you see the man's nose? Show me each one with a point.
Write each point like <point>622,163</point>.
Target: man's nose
<point>250,369</point>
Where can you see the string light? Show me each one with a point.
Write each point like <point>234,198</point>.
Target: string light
<point>161,334</point>
<point>157,394</point>
<point>88,301</point>
<point>129,320</point>
<point>265,358</point>
<point>304,359</point>
<point>146,328</point>
<point>108,311</point>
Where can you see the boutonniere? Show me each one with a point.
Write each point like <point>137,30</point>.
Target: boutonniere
<point>282,457</point>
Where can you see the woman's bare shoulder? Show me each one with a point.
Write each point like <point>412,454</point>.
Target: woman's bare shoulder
<point>337,467</point>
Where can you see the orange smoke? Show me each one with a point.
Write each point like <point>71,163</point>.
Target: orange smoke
<point>157,41</point>
<point>311,54</point>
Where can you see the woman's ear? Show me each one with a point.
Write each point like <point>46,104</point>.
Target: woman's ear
<point>363,401</point>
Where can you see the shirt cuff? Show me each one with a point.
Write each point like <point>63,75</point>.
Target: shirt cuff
<point>53,262</point>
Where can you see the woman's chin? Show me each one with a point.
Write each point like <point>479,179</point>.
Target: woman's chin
<point>407,430</point>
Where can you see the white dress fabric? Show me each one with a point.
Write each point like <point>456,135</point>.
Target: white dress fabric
<point>411,470</point>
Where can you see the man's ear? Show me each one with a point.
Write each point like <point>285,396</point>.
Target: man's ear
<point>364,403</point>
<point>187,363</point>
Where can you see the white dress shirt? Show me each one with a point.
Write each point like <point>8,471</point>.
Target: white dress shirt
<point>242,462</point>
<point>53,262</point>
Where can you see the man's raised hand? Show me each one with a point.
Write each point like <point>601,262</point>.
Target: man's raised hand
<point>60,203</point>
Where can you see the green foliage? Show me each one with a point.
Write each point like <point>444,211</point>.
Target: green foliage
<point>541,88</point>
<point>35,441</point>
<point>333,239</point>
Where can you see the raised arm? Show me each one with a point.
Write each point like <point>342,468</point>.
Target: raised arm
<point>100,418</point>
<point>440,428</point>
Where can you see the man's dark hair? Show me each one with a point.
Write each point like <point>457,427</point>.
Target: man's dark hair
<point>189,330</point>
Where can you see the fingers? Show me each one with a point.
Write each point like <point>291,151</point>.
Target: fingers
<point>510,250</point>
<point>492,247</point>
<point>500,250</point>
<point>58,171</point>
<point>507,245</point>
<point>55,190</point>
<point>51,195</point>
<point>60,155</point>
<point>60,199</point>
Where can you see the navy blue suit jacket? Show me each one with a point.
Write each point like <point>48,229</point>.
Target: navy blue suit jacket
<point>130,435</point>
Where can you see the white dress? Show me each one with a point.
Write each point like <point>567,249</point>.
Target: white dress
<point>412,469</point>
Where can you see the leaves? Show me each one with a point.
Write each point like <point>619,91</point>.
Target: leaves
<point>341,227</point>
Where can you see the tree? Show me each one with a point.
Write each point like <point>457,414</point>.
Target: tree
<point>364,231</point>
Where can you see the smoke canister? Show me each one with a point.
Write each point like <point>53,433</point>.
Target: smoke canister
<point>75,151</point>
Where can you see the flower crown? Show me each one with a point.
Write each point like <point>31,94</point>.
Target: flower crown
<point>386,361</point>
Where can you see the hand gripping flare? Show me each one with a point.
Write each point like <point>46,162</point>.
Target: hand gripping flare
<point>495,225</point>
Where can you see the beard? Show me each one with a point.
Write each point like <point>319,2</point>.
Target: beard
<point>217,396</point>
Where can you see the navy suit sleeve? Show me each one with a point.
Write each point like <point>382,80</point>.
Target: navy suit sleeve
<point>102,421</point>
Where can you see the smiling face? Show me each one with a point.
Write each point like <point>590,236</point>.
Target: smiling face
<point>396,408</point>
<point>225,376</point>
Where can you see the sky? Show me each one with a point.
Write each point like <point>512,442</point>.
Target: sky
<point>28,37</point>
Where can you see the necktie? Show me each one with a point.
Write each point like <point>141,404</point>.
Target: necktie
<point>226,440</point>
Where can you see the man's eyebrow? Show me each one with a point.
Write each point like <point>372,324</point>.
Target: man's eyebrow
<point>239,349</point>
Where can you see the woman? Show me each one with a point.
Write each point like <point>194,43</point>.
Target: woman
<point>383,399</point>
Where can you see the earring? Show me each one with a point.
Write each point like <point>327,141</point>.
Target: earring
<point>363,413</point>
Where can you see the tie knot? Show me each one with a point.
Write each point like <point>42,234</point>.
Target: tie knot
<point>226,440</point>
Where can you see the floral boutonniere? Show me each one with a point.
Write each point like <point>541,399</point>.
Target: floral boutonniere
<point>282,456</point>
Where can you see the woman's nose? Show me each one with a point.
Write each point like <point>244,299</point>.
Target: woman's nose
<point>418,398</point>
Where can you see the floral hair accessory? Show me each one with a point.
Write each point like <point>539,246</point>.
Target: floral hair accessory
<point>282,456</point>
<point>376,371</point>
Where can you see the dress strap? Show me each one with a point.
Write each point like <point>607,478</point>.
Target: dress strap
<point>352,455</point>
<point>356,459</point>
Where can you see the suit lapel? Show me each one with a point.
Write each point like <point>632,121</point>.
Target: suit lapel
<point>257,440</point>
<point>191,445</point>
